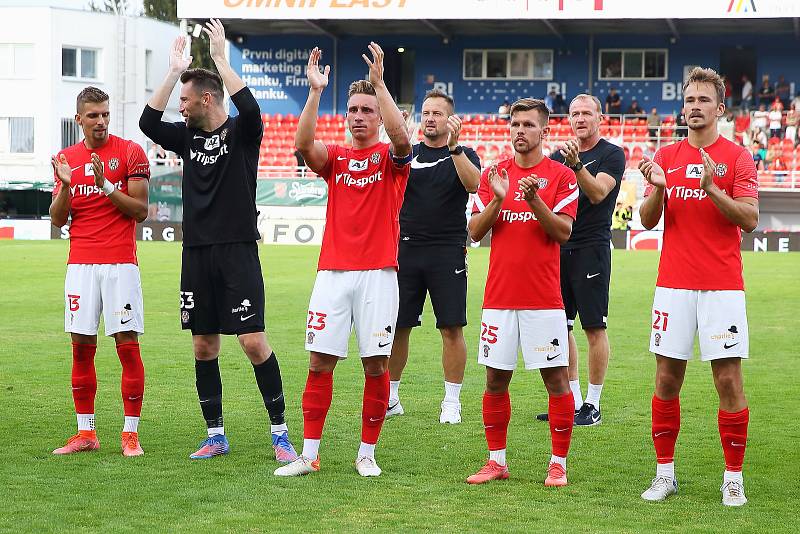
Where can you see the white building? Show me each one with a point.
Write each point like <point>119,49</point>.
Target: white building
<point>48,54</point>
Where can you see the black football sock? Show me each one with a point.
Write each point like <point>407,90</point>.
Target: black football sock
<point>209,391</point>
<point>268,378</point>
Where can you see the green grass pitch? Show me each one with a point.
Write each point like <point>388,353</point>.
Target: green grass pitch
<point>425,463</point>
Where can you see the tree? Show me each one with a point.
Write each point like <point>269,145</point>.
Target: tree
<point>120,7</point>
<point>167,10</point>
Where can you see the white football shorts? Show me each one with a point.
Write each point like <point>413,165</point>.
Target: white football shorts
<point>719,318</point>
<point>115,289</point>
<point>541,334</point>
<point>341,300</point>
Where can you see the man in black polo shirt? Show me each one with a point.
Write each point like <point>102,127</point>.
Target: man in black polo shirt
<point>586,257</point>
<point>222,290</point>
<point>432,253</point>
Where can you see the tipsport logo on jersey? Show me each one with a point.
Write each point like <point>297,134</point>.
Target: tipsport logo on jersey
<point>348,180</point>
<point>510,216</point>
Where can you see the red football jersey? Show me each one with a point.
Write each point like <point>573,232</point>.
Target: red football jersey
<point>701,248</point>
<point>365,192</point>
<point>99,232</point>
<point>525,263</point>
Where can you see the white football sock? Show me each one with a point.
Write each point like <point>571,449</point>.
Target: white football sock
<point>666,470</point>
<point>366,449</point>
<point>575,387</point>
<point>278,429</point>
<point>560,460</point>
<point>85,421</point>
<point>214,430</point>
<point>498,456</point>
<point>452,392</point>
<point>131,424</point>
<point>311,448</point>
<point>394,392</point>
<point>593,394</point>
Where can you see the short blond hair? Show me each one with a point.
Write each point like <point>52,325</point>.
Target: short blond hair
<point>360,87</point>
<point>701,75</point>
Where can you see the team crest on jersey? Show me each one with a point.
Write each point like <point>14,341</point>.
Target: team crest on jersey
<point>541,182</point>
<point>486,351</point>
<point>113,164</point>
<point>310,338</point>
<point>375,158</point>
<point>184,316</point>
<point>722,169</point>
<point>657,340</point>
<point>223,134</point>
<point>356,165</point>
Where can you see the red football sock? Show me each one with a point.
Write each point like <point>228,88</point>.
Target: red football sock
<point>84,379</point>
<point>316,402</point>
<point>373,408</point>
<point>132,385</point>
<point>733,433</point>
<point>666,425</point>
<point>496,416</point>
<point>561,414</point>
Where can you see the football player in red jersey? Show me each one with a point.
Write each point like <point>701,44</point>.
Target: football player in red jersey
<point>530,202</point>
<point>101,183</point>
<point>356,281</point>
<point>707,189</point>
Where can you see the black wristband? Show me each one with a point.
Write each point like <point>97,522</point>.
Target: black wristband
<point>457,150</point>
<point>577,167</point>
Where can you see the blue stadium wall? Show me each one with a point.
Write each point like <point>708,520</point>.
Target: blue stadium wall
<point>282,88</point>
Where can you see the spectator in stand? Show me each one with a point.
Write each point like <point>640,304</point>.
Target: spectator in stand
<point>635,109</point>
<point>613,102</point>
<point>725,126</point>
<point>778,168</point>
<point>792,120</point>
<point>796,102</point>
<point>681,128</point>
<point>766,93</point>
<point>755,150</point>
<point>783,91</point>
<point>747,93</point>
<point>502,111</point>
<point>728,92</point>
<point>776,119</point>
<point>550,101</point>
<point>653,124</point>
<point>742,126</point>
<point>761,136</point>
<point>761,117</point>
<point>560,104</point>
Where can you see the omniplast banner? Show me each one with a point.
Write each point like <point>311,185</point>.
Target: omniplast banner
<point>486,9</point>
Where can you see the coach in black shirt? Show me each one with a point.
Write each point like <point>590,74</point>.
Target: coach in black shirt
<point>586,257</point>
<point>222,290</point>
<point>432,253</point>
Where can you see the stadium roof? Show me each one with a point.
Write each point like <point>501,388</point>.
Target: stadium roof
<point>558,28</point>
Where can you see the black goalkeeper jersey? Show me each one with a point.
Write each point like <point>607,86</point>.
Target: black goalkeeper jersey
<point>219,172</point>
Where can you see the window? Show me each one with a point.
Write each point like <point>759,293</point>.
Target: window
<point>508,64</point>
<point>16,60</point>
<point>16,135</point>
<point>633,64</point>
<point>79,63</point>
<point>148,69</point>
<point>70,132</point>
